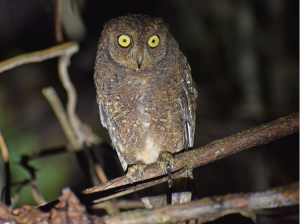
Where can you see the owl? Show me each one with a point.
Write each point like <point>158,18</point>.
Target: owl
<point>146,97</point>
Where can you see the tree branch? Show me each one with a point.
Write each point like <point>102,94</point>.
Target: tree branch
<point>56,105</point>
<point>208,209</point>
<point>5,194</point>
<point>69,209</point>
<point>211,152</point>
<point>38,56</point>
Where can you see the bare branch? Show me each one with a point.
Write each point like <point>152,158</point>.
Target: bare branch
<point>137,186</point>
<point>209,209</point>
<point>69,209</point>
<point>3,148</point>
<point>37,196</point>
<point>57,107</point>
<point>72,97</point>
<point>38,56</point>
<point>211,152</point>
<point>110,206</point>
<point>57,22</point>
<point>123,204</point>
<point>5,156</point>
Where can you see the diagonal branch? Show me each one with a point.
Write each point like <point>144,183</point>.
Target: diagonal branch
<point>38,56</point>
<point>5,194</point>
<point>211,152</point>
<point>69,210</point>
<point>209,209</point>
<point>56,105</point>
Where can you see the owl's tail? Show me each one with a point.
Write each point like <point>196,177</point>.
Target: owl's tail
<point>160,195</point>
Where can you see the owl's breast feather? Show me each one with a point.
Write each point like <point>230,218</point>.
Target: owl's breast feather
<point>144,113</point>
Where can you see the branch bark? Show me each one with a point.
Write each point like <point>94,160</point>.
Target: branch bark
<point>69,209</point>
<point>208,209</point>
<point>38,56</point>
<point>213,151</point>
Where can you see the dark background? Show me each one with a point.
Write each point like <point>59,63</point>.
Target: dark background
<point>244,57</point>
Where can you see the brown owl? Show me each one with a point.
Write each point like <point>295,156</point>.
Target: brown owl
<point>145,94</point>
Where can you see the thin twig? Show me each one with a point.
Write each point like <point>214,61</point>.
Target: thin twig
<point>57,23</point>
<point>5,155</point>
<point>209,209</point>
<point>123,204</point>
<point>100,173</point>
<point>97,174</point>
<point>211,152</point>
<point>37,196</point>
<point>38,56</point>
<point>15,197</point>
<point>3,148</point>
<point>90,137</point>
<point>75,123</point>
<point>57,107</point>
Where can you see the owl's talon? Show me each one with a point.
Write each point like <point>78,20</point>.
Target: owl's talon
<point>133,169</point>
<point>163,168</point>
<point>129,179</point>
<point>169,169</point>
<point>166,163</point>
<point>172,166</point>
<point>142,175</point>
<point>130,172</point>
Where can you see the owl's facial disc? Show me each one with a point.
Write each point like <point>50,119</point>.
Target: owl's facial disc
<point>137,42</point>
<point>138,56</point>
<point>141,56</point>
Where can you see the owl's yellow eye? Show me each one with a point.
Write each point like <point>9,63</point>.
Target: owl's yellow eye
<point>124,41</point>
<point>153,41</point>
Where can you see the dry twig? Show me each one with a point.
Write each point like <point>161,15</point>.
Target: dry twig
<point>57,107</point>
<point>5,156</point>
<point>3,148</point>
<point>39,56</point>
<point>74,121</point>
<point>37,196</point>
<point>57,22</point>
<point>123,204</point>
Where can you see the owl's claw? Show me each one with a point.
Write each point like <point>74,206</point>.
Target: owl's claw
<point>129,178</point>
<point>142,175</point>
<point>169,169</point>
<point>133,169</point>
<point>166,163</point>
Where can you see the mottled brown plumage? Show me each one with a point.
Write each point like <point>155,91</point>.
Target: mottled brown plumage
<point>145,94</point>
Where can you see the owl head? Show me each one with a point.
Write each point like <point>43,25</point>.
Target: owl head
<point>136,41</point>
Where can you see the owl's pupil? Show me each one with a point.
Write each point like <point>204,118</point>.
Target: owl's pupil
<point>153,41</point>
<point>124,40</point>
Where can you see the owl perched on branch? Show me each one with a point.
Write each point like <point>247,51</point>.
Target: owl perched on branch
<point>146,97</point>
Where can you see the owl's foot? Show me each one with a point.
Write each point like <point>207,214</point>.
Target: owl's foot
<point>139,167</point>
<point>166,162</point>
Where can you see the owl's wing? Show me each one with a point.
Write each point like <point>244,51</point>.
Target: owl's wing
<point>99,83</point>
<point>188,103</point>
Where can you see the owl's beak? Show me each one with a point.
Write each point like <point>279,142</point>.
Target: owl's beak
<point>139,61</point>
